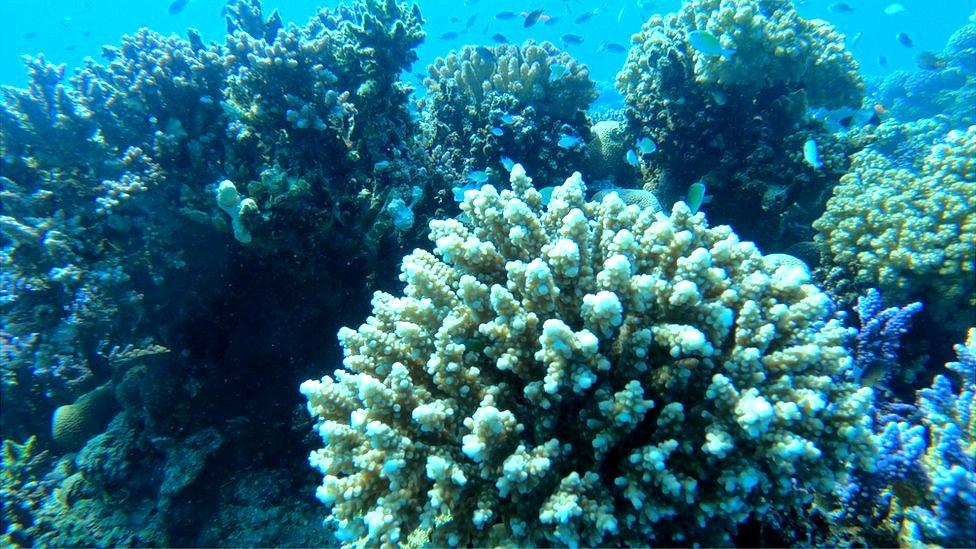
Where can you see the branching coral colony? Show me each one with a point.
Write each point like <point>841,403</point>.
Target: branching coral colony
<point>584,374</point>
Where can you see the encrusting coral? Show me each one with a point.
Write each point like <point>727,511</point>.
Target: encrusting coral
<point>584,374</point>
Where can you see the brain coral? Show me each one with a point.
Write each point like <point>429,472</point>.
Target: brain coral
<point>583,374</point>
<point>909,232</point>
<point>73,424</point>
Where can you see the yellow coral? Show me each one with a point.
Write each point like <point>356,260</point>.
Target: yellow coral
<point>909,234</point>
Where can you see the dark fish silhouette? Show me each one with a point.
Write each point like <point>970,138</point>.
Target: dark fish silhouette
<point>177,6</point>
<point>883,61</point>
<point>905,40</point>
<point>841,7</point>
<point>586,16</point>
<point>505,15</point>
<point>532,17</point>
<point>486,54</point>
<point>573,39</point>
<point>611,47</point>
<point>500,38</point>
<point>929,61</point>
<point>449,35</point>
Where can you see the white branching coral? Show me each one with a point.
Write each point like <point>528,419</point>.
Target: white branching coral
<point>583,374</point>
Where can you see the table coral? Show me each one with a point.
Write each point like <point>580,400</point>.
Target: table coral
<point>584,374</point>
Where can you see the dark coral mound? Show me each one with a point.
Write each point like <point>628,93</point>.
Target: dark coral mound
<point>484,104</point>
<point>121,270</point>
<point>713,119</point>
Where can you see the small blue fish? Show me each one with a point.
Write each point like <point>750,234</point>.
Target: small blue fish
<point>573,39</point>
<point>507,119</point>
<point>894,9</point>
<point>499,38</point>
<point>586,16</point>
<point>696,196</point>
<point>505,15</point>
<point>449,35</point>
<point>508,163</point>
<point>646,146</point>
<point>708,43</point>
<point>546,193</point>
<point>569,141</point>
<point>478,176</point>
<point>811,155</point>
<point>631,158</point>
<point>496,131</point>
<point>531,18</point>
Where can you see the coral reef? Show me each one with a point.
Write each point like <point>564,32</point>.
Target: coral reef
<point>21,492</point>
<point>713,119</point>
<point>910,234</point>
<point>584,374</point>
<point>120,267</point>
<point>946,90</point>
<point>485,103</point>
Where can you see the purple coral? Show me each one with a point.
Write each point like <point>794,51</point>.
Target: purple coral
<point>928,446</point>
<point>950,461</point>
<point>879,336</point>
